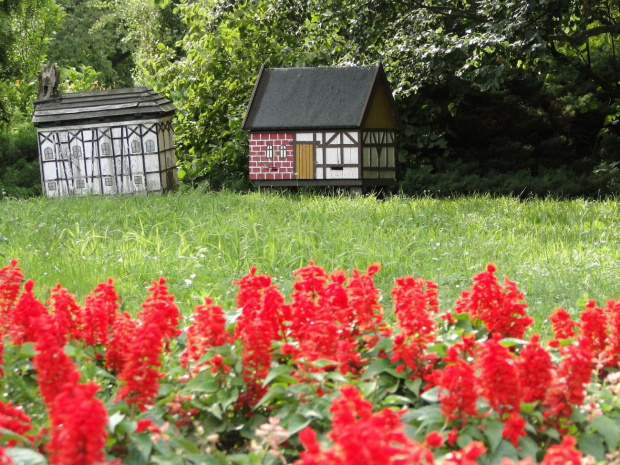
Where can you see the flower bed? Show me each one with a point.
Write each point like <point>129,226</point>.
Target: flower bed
<point>318,378</point>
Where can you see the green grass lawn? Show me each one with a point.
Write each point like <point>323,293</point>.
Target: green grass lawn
<point>557,251</point>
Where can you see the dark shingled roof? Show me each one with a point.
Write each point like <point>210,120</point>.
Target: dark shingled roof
<point>308,98</point>
<point>102,105</point>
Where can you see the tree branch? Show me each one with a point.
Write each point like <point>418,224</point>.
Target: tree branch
<point>581,37</point>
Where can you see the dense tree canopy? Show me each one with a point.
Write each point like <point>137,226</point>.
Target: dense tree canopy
<point>502,96</point>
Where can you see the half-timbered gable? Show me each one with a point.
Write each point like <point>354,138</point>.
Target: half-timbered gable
<point>106,142</point>
<point>322,126</point>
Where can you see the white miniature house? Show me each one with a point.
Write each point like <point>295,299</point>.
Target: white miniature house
<point>106,142</point>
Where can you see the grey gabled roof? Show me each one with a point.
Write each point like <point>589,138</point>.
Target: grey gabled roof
<point>308,98</point>
<point>102,105</point>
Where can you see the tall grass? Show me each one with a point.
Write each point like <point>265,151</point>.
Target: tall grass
<point>558,251</point>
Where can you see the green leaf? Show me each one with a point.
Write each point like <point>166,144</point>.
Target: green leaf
<point>592,444</point>
<point>528,447</point>
<point>504,449</point>
<point>397,400</point>
<point>24,456</point>
<point>140,448</point>
<point>414,386</point>
<point>378,366</point>
<point>277,373</point>
<point>204,382</point>
<point>26,350</point>
<point>493,433</point>
<point>296,423</point>
<point>8,435</point>
<point>512,341</point>
<point>607,428</point>
<point>273,393</point>
<point>114,420</point>
<point>432,395</point>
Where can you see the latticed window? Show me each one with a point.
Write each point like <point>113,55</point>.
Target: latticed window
<point>269,152</point>
<point>105,149</point>
<point>76,150</point>
<point>135,146</point>
<point>282,151</point>
<point>150,145</point>
<point>49,153</point>
<point>80,184</point>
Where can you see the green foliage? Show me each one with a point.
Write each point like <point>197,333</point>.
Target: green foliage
<point>19,163</point>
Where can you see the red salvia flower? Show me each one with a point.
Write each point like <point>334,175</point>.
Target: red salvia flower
<point>122,336</point>
<point>78,426</point>
<point>535,370</point>
<point>10,283</point>
<point>363,300</point>
<point>563,454</point>
<point>612,351</point>
<point>140,373</point>
<point>100,308</point>
<point>434,439</point>
<point>568,386</point>
<point>498,381</point>
<point>159,307</point>
<point>415,305</point>
<point>260,323</point>
<point>500,308</point>
<point>4,458</point>
<point>466,456</point>
<point>593,326</point>
<point>27,316</point>
<point>514,428</point>
<point>457,383</point>
<point>66,312</point>
<point>359,436</point>
<point>54,368</point>
<point>207,330</point>
<point>562,324</point>
<point>14,419</point>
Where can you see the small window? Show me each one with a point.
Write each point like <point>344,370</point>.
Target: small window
<point>150,146</point>
<point>105,149</point>
<point>135,146</point>
<point>137,179</point>
<point>51,186</point>
<point>108,181</point>
<point>64,153</point>
<point>49,153</point>
<point>80,184</point>
<point>77,151</point>
<point>269,153</point>
<point>283,151</point>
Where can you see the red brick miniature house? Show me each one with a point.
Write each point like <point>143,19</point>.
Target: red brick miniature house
<point>326,126</point>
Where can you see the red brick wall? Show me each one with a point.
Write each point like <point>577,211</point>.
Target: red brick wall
<point>278,167</point>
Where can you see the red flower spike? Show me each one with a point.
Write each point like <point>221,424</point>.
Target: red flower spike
<point>207,330</point>
<point>467,455</point>
<point>562,324</point>
<point>593,326</point>
<point>535,371</point>
<point>27,317</point>
<point>498,381</point>
<point>563,454</point>
<point>66,312</point>
<point>54,368</point>
<point>159,308</point>
<point>415,305</point>
<point>260,323</point>
<point>499,307</point>
<point>612,351</point>
<point>457,383</point>
<point>122,336</point>
<point>359,436</point>
<point>10,283</point>
<point>4,458</point>
<point>514,428</point>
<point>434,439</point>
<point>14,419</point>
<point>100,308</point>
<point>78,426</point>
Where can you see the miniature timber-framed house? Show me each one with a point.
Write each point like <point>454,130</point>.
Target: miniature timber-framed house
<point>106,142</point>
<point>325,126</point>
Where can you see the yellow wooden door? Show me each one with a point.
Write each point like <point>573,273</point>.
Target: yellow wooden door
<point>304,161</point>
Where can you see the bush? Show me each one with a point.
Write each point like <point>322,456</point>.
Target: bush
<point>19,163</point>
